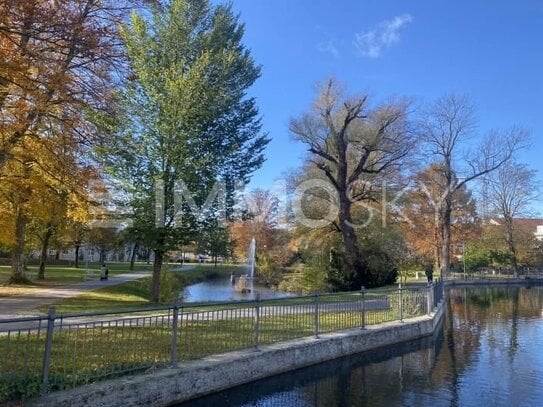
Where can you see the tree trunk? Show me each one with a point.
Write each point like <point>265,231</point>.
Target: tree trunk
<point>352,252</point>
<point>17,256</point>
<point>44,249</point>
<point>155,285</point>
<point>133,255</point>
<point>511,245</point>
<point>446,238</point>
<point>438,227</point>
<point>77,247</point>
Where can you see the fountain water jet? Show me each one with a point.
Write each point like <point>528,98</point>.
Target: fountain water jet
<point>251,255</point>
<point>245,283</point>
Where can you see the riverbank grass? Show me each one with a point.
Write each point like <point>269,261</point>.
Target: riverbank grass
<point>56,276</point>
<point>136,293</point>
<point>98,351</point>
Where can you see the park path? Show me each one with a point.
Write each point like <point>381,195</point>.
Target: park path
<point>25,305</point>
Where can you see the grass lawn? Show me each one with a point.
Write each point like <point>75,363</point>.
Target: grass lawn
<point>86,352</point>
<point>95,351</point>
<point>122,296</point>
<point>58,276</point>
<point>136,293</point>
<point>130,294</point>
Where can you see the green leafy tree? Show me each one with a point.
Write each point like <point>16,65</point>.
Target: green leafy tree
<point>215,241</point>
<point>184,116</point>
<point>476,256</point>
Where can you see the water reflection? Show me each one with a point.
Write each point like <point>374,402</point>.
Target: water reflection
<point>222,290</point>
<point>488,352</point>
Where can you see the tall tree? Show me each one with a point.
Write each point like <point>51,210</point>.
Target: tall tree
<point>422,223</point>
<point>512,190</point>
<point>43,185</point>
<point>186,118</point>
<point>214,240</point>
<point>352,143</point>
<point>74,234</point>
<point>58,60</point>
<point>447,130</point>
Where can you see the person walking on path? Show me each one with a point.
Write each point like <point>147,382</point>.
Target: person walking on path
<point>429,271</point>
<point>104,271</point>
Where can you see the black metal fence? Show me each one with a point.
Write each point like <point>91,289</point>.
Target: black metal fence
<point>54,352</point>
<point>489,273</point>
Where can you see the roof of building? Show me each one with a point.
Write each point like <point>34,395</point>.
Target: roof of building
<point>528,224</point>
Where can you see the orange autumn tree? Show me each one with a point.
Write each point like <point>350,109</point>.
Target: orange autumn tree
<point>421,226</point>
<point>59,63</point>
<point>41,187</point>
<point>58,60</point>
<point>259,220</point>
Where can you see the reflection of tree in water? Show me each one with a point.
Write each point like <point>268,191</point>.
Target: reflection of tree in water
<point>365,379</point>
<point>474,311</point>
<point>480,323</point>
<point>484,322</point>
<point>513,342</point>
<point>477,311</point>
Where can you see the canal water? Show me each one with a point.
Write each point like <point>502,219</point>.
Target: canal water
<point>488,352</point>
<point>219,290</point>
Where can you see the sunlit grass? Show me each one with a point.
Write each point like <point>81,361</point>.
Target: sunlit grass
<point>59,276</point>
<point>94,351</point>
<point>136,293</point>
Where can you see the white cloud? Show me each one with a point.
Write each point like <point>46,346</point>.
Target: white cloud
<point>328,47</point>
<point>371,43</point>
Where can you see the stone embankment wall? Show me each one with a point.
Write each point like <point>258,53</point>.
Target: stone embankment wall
<point>188,380</point>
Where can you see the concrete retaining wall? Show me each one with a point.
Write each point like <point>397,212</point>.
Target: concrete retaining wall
<point>193,379</point>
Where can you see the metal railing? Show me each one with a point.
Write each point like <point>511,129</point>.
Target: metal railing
<point>489,273</point>
<point>55,352</point>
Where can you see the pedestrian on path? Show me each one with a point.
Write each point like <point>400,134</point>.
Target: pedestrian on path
<point>429,271</point>
<point>104,271</point>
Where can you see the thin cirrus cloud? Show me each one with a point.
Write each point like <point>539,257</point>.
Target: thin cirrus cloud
<point>328,47</point>
<point>373,42</point>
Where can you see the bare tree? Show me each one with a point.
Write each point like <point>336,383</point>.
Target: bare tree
<point>351,144</point>
<point>448,132</point>
<point>511,191</point>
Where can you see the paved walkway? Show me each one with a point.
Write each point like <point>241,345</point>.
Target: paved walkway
<point>15,306</point>
<point>24,305</point>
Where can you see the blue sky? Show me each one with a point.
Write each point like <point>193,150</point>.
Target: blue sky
<point>491,51</point>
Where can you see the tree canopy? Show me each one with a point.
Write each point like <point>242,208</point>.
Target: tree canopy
<point>186,120</point>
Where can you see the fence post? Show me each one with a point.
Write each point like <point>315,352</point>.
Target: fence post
<point>400,297</point>
<point>429,302</point>
<point>257,321</point>
<point>175,328</point>
<point>362,308</point>
<point>51,315</point>
<point>316,316</point>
